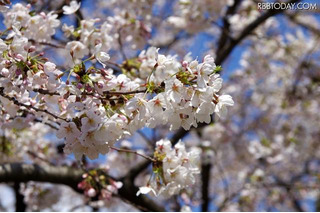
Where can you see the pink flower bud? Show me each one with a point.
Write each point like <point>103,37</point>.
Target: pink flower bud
<point>184,64</point>
<point>91,192</point>
<point>5,72</point>
<point>100,85</point>
<point>79,85</point>
<point>19,57</point>
<point>43,15</point>
<point>18,72</point>
<point>81,185</point>
<point>88,88</point>
<point>31,49</point>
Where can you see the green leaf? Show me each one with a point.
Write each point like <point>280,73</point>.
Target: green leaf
<point>265,142</point>
<point>151,87</point>
<point>217,69</point>
<point>32,13</point>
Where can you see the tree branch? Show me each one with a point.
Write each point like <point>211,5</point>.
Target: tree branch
<point>224,53</point>
<point>21,172</point>
<point>205,179</point>
<point>16,102</point>
<point>225,33</point>
<point>20,205</point>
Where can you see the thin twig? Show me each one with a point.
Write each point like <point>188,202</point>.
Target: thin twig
<point>121,45</point>
<point>16,102</point>
<point>149,142</point>
<point>225,52</point>
<point>40,158</point>
<point>47,44</point>
<point>134,152</point>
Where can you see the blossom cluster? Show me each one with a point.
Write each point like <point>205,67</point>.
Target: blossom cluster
<point>192,15</point>
<point>171,93</point>
<point>96,184</point>
<point>93,107</point>
<point>96,108</point>
<point>25,144</point>
<point>39,27</point>
<point>174,169</point>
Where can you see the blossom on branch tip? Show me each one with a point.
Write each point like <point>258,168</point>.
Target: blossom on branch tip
<point>221,107</point>
<point>72,8</point>
<point>174,169</point>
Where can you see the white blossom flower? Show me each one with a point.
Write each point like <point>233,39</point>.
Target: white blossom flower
<point>77,49</point>
<point>179,168</point>
<point>174,90</point>
<point>68,130</point>
<point>74,6</point>
<point>102,57</point>
<point>68,30</point>
<point>90,122</point>
<point>145,190</point>
<point>223,101</point>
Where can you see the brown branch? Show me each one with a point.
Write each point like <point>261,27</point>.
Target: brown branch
<point>21,172</point>
<point>20,204</point>
<point>224,53</point>
<point>124,93</point>
<point>205,179</point>
<point>114,93</point>
<point>45,92</point>
<point>225,33</point>
<point>47,44</point>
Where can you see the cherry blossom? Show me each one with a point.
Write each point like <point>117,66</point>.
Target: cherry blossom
<point>209,105</point>
<point>74,6</point>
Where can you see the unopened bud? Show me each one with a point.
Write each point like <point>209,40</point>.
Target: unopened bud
<point>18,72</point>
<point>79,85</point>
<point>91,192</point>
<point>19,57</point>
<point>43,15</point>
<point>8,63</point>
<point>184,64</point>
<point>31,49</point>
